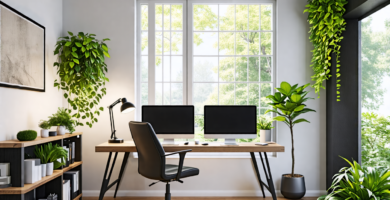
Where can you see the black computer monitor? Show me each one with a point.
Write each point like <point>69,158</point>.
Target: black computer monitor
<point>230,121</point>
<point>170,122</point>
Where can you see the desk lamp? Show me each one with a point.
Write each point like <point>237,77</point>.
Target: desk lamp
<point>126,107</point>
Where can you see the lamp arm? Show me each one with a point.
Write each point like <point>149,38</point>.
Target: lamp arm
<point>113,135</point>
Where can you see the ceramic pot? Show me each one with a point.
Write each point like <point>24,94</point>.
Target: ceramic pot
<point>265,136</point>
<point>44,133</point>
<point>61,130</point>
<point>293,187</point>
<point>52,133</point>
<point>49,169</point>
<point>43,167</point>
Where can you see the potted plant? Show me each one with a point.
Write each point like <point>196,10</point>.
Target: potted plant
<point>288,103</point>
<point>45,126</point>
<point>49,156</point>
<point>40,153</point>
<point>63,121</point>
<point>359,182</point>
<point>264,126</point>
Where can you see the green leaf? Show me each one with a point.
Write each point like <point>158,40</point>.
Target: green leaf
<point>105,53</point>
<point>295,97</point>
<point>78,44</point>
<point>105,48</point>
<point>280,118</point>
<point>71,64</point>
<point>74,49</point>
<point>70,33</point>
<point>106,39</point>
<point>86,54</point>
<point>286,87</point>
<point>83,49</point>
<point>75,55</point>
<point>76,61</point>
<point>101,108</point>
<point>300,120</point>
<point>299,108</point>
<point>68,44</point>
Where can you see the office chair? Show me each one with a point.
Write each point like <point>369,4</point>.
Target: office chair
<point>151,157</point>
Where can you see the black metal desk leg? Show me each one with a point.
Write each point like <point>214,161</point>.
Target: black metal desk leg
<point>105,182</point>
<point>254,162</point>
<point>268,175</point>
<point>124,163</point>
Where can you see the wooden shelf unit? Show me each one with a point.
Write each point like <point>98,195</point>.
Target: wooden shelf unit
<point>14,151</point>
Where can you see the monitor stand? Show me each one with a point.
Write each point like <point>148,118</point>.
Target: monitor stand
<point>230,141</point>
<point>168,142</point>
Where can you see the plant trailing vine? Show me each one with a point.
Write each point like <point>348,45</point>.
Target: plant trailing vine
<point>327,24</point>
<point>81,67</point>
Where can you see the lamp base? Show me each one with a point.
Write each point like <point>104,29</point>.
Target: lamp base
<point>115,140</point>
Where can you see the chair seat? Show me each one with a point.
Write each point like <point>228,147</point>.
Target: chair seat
<point>171,171</point>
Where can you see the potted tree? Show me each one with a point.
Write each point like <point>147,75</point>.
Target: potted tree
<point>63,121</point>
<point>288,104</point>
<point>45,126</point>
<point>264,126</point>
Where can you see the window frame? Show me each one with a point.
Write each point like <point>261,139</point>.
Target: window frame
<point>188,58</point>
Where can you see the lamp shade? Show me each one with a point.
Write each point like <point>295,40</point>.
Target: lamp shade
<point>126,106</point>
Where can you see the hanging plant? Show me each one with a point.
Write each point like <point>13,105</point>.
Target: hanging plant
<point>81,69</point>
<point>327,24</point>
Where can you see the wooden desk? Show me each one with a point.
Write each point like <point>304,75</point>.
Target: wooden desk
<point>129,146</point>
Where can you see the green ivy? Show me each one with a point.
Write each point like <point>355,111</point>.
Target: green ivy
<point>327,24</point>
<point>81,67</point>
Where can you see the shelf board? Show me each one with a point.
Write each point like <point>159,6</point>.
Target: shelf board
<point>38,140</point>
<point>78,197</point>
<point>29,187</point>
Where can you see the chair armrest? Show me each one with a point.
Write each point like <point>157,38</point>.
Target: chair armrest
<point>178,152</point>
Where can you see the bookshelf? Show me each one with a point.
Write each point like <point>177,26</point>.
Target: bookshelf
<point>14,151</point>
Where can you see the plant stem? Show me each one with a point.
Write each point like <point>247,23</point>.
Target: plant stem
<point>292,147</point>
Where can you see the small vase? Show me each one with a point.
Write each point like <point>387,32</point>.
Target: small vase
<point>61,130</point>
<point>293,187</point>
<point>43,167</point>
<point>44,133</point>
<point>264,134</point>
<point>49,169</point>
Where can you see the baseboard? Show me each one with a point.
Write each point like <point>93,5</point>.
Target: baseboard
<point>194,193</point>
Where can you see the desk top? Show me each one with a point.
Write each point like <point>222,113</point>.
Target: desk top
<point>128,146</point>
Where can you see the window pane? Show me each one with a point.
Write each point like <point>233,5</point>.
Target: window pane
<point>266,43</point>
<point>253,98</point>
<point>254,17</point>
<point>205,69</point>
<point>158,94</point>
<point>266,68</point>
<point>177,93</point>
<point>265,91</point>
<point>253,67</point>
<point>226,19</point>
<point>263,110</point>
<point>226,43</point>
<point>167,94</point>
<point>177,68</point>
<point>177,43</point>
<point>158,70</point>
<point>241,17</point>
<point>226,94</point>
<point>144,43</point>
<point>167,43</point>
<point>167,17</point>
<point>144,17</point>
<point>241,43</point>
<point>158,19</point>
<point>266,17</point>
<point>254,43</point>
<point>144,69</point>
<point>204,94</point>
<point>158,44</point>
<point>205,17</point>
<point>241,94</point>
<point>144,94</point>
<point>241,69</point>
<point>177,17</point>
<point>226,68</point>
<point>167,68</point>
<point>205,43</point>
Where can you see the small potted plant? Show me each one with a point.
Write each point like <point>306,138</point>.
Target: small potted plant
<point>63,121</point>
<point>49,155</point>
<point>45,126</point>
<point>288,104</point>
<point>264,126</point>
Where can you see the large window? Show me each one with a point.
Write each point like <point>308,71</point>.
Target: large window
<point>205,54</point>
<point>375,88</point>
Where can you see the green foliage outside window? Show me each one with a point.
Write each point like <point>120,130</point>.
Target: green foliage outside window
<point>327,24</point>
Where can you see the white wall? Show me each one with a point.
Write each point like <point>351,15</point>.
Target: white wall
<point>22,109</point>
<point>218,177</point>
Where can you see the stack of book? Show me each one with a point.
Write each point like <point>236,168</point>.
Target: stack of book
<point>32,170</point>
<point>5,178</point>
<point>69,146</point>
<point>74,179</point>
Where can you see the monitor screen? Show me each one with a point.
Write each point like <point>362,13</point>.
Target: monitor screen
<point>170,119</point>
<point>230,120</point>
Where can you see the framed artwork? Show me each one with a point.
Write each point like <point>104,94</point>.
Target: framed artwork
<point>22,51</point>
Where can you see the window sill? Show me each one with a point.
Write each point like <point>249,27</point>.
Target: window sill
<point>216,155</point>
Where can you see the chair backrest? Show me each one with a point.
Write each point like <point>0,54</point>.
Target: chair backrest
<point>151,160</point>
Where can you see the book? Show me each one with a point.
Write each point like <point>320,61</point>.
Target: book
<point>66,190</point>
<point>72,178</point>
<point>76,172</point>
<point>4,169</point>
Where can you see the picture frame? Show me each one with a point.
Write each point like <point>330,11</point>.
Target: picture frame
<point>22,51</point>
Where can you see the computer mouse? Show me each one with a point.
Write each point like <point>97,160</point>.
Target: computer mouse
<point>205,143</point>
<point>185,143</point>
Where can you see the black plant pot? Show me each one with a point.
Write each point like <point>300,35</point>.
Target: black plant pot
<point>293,188</point>
<point>52,133</point>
